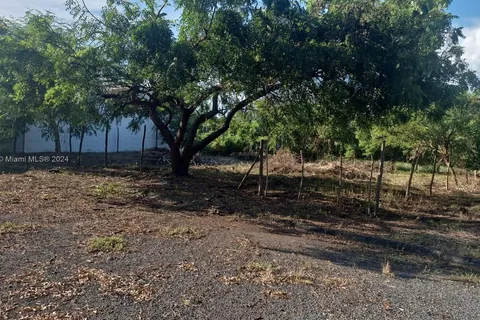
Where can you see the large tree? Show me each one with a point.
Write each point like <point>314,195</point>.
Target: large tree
<point>221,56</point>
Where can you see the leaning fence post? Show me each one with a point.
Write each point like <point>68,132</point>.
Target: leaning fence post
<point>249,170</point>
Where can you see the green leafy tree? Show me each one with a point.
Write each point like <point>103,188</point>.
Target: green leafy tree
<point>360,59</point>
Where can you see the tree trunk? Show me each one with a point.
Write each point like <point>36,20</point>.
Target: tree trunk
<point>379,180</point>
<point>454,176</point>
<point>56,138</point>
<point>450,168</point>
<point>369,189</point>
<point>82,135</point>
<point>179,167</point>
<point>180,164</point>
<point>448,175</point>
<point>412,170</point>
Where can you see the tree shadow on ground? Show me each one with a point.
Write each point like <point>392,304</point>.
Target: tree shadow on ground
<point>213,191</point>
<point>407,250</point>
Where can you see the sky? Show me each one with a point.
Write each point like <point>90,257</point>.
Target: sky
<point>468,12</point>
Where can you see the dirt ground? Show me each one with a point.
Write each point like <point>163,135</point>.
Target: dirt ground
<point>94,243</point>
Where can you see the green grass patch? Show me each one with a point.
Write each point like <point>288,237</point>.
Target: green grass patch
<point>107,244</point>
<point>106,190</point>
<point>12,227</point>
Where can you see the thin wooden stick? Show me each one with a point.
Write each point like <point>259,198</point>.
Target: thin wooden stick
<point>369,189</point>
<point>339,192</point>
<point>266,176</point>
<point>301,180</point>
<point>378,189</point>
<point>249,170</point>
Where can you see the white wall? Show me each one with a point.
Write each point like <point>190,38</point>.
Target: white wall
<point>128,141</point>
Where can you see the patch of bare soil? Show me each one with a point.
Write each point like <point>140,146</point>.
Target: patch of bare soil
<point>119,244</point>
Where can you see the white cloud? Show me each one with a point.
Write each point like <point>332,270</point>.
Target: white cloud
<point>17,8</point>
<point>471,43</point>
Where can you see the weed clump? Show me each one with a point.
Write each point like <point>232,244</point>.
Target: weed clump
<point>12,227</point>
<point>105,190</point>
<point>107,244</point>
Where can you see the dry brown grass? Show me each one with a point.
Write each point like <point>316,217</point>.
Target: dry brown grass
<point>188,233</point>
<point>268,273</point>
<point>284,162</point>
<point>337,282</point>
<point>278,294</point>
<point>387,269</point>
<point>187,266</point>
<point>113,284</point>
<point>472,278</point>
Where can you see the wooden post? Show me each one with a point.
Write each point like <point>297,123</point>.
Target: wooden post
<point>434,170</point>
<point>448,178</point>
<point>260,173</point>
<point>339,191</point>
<point>379,179</point>
<point>303,173</point>
<point>249,170</point>
<point>266,174</point>
<point>118,140</point>
<point>412,170</point>
<point>143,147</point>
<point>369,188</point>
<point>107,129</point>
<point>70,139</point>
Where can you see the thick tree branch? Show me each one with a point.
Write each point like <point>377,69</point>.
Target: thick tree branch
<point>200,120</point>
<point>239,106</point>
<point>205,95</point>
<point>166,134</point>
<point>161,9</point>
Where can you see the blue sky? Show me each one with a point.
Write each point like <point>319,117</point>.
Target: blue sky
<point>468,12</point>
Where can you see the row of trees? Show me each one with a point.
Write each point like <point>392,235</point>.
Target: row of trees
<point>302,71</point>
